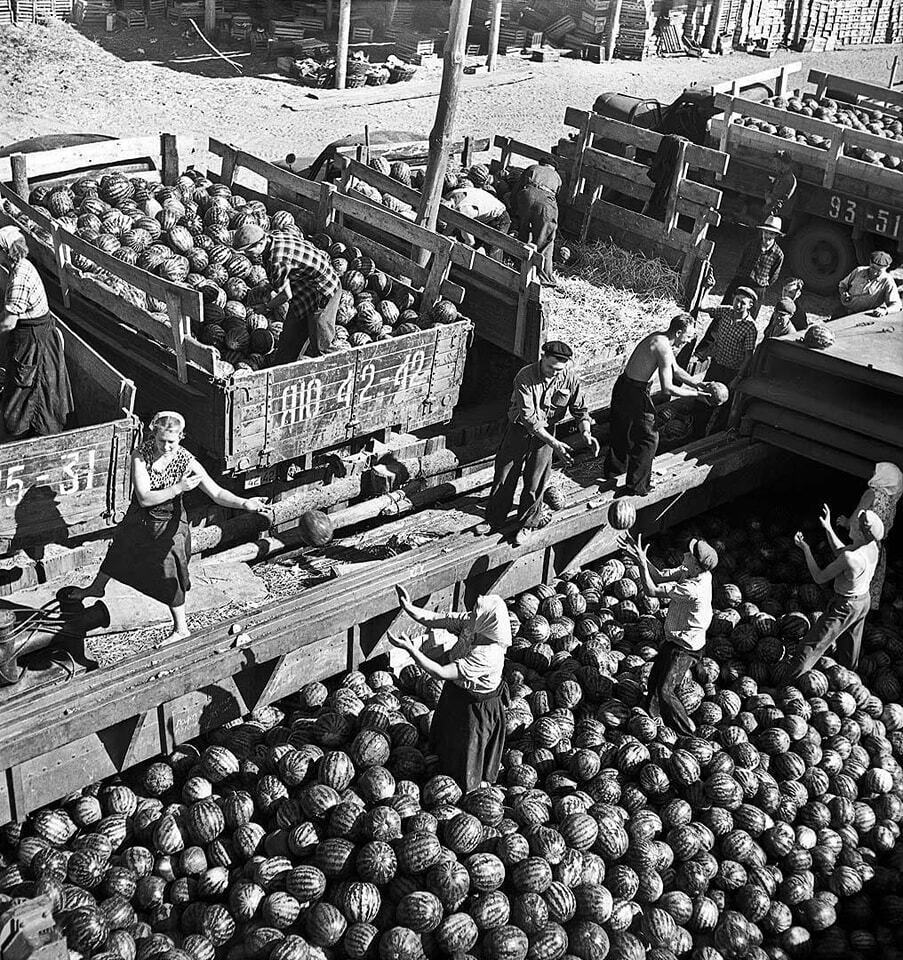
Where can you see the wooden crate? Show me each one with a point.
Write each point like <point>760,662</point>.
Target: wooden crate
<point>241,421</point>
<point>62,487</point>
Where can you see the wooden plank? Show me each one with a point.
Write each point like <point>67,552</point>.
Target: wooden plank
<point>21,204</point>
<point>776,116</point>
<point>511,148</point>
<point>620,219</point>
<point>763,77</point>
<point>702,158</point>
<point>104,153</point>
<point>293,185</point>
<point>859,88</point>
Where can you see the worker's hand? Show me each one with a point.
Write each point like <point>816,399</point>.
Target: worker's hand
<point>800,540</point>
<point>824,518</point>
<point>257,505</point>
<point>564,452</point>
<point>404,598</point>
<point>843,521</point>
<point>845,297</point>
<point>592,444</point>
<point>188,482</point>
<point>880,311</point>
<point>403,643</point>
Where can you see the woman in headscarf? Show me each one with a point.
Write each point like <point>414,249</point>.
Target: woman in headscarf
<point>880,496</point>
<point>468,726</point>
<point>37,397</point>
<point>152,546</point>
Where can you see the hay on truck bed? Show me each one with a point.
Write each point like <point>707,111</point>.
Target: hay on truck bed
<point>608,298</point>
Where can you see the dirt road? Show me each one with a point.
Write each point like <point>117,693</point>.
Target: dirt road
<point>54,79</point>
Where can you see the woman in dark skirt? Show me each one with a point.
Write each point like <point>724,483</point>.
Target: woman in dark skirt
<point>152,546</point>
<point>468,726</point>
<point>37,398</point>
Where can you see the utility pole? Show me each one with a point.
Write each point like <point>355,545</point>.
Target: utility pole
<point>495,26</point>
<point>341,50</point>
<point>441,134</point>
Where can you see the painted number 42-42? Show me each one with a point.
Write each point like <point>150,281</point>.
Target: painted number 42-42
<point>76,476</point>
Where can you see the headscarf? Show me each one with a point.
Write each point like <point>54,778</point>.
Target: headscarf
<point>9,236</point>
<point>164,415</point>
<point>887,479</point>
<point>491,621</point>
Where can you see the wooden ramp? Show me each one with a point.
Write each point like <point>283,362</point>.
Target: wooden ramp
<point>59,736</point>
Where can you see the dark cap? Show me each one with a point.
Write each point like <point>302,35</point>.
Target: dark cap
<point>704,553</point>
<point>558,349</point>
<point>246,236</point>
<point>881,259</point>
<point>747,292</point>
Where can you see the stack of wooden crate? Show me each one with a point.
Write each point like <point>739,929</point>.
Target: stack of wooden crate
<point>635,40</point>
<point>6,12</point>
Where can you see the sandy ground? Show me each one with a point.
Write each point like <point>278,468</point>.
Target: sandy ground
<point>55,80</point>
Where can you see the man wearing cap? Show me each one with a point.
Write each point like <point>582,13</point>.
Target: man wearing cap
<point>688,588</point>
<point>730,341</point>
<point>760,265</point>
<point>537,213</point>
<point>544,392</point>
<point>869,289</point>
<point>781,322</point>
<point>302,277</point>
<point>851,570</point>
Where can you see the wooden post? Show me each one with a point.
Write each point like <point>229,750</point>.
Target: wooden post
<point>713,30</point>
<point>495,26</point>
<point>169,153</point>
<point>341,50</point>
<point>19,168</point>
<point>210,17</point>
<point>330,14</point>
<point>440,135</point>
<point>614,24</point>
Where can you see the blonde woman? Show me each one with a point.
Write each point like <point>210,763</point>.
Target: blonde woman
<point>151,548</point>
<point>468,728</point>
<point>880,496</point>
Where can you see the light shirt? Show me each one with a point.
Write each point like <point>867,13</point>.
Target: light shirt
<point>855,580</point>
<point>477,204</point>
<point>25,294</point>
<point>867,293</point>
<point>540,403</point>
<point>690,610</point>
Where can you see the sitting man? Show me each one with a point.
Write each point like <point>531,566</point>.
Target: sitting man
<point>869,289</point>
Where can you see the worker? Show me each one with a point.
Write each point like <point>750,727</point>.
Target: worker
<point>151,548</point>
<point>729,341</point>
<point>881,497</point>
<point>792,289</point>
<point>543,394</point>
<point>760,264</point>
<point>37,395</point>
<point>303,287</point>
<point>688,588</point>
<point>851,570</point>
<point>537,212</point>
<point>782,187</point>
<point>468,727</point>
<point>869,289</point>
<point>781,322</point>
<point>634,438</point>
<point>485,208</point>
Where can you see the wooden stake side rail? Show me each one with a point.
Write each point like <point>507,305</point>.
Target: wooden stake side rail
<point>252,419</point>
<point>870,95</point>
<point>106,721</point>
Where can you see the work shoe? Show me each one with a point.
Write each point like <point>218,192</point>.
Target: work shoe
<point>483,529</point>
<point>521,537</point>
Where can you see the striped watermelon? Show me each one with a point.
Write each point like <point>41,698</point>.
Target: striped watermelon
<point>420,911</point>
<point>359,943</point>
<point>360,902</point>
<point>418,851</point>
<point>325,924</point>
<point>487,872</point>
<point>305,883</point>
<point>449,881</point>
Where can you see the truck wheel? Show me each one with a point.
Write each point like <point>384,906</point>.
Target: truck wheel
<point>821,255</point>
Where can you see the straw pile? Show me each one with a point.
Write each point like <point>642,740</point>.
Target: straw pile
<point>609,297</point>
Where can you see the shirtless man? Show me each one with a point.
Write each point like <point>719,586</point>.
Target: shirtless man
<point>851,570</point>
<point>634,438</point>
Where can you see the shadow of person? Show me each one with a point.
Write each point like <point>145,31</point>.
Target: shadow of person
<point>38,523</point>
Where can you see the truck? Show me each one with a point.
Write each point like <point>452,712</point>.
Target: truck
<point>849,199</point>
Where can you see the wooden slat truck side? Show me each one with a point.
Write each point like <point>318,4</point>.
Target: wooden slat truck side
<point>245,420</point>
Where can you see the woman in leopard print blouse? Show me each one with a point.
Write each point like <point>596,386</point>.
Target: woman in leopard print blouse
<point>152,546</point>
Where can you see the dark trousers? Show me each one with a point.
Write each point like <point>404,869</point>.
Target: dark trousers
<point>708,419</point>
<point>668,671</point>
<point>842,624</point>
<point>745,282</point>
<point>634,439</point>
<point>537,216</point>
<point>520,453</point>
<point>316,331</point>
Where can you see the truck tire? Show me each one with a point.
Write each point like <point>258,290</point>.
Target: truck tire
<point>821,254</point>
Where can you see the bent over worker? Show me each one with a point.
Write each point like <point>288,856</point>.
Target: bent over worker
<point>851,571</point>
<point>689,590</point>
<point>634,438</point>
<point>301,277</point>
<point>543,393</point>
<point>537,213</point>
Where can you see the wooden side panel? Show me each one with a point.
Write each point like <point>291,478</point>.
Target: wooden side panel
<point>69,160</point>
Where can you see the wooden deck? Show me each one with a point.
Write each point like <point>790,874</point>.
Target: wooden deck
<point>56,737</point>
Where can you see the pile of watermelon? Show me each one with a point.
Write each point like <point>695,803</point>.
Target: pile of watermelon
<point>875,122</point>
<point>323,828</point>
<point>183,233</point>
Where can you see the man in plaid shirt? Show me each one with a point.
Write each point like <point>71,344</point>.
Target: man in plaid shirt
<point>301,276</point>
<point>730,342</point>
<point>760,265</point>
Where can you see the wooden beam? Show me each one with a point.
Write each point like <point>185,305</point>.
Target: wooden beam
<point>210,17</point>
<point>20,174</point>
<point>446,110</point>
<point>614,25</point>
<point>495,28</point>
<point>341,50</point>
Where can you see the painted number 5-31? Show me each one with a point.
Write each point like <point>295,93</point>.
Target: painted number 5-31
<point>14,484</point>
